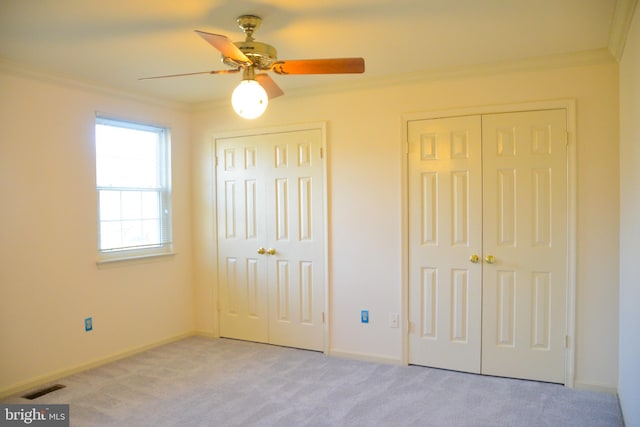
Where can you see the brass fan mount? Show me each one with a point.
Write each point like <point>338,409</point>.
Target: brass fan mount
<point>248,24</point>
<point>262,55</point>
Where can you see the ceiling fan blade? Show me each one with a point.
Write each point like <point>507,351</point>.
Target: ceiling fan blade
<point>269,85</point>
<point>319,66</point>
<point>225,46</point>
<point>192,74</point>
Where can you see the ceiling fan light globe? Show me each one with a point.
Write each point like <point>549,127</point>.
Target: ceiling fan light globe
<point>249,99</point>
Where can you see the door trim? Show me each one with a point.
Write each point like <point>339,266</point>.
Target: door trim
<point>569,105</point>
<point>213,213</point>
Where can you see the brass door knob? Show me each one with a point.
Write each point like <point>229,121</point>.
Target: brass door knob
<point>490,259</point>
<point>474,258</point>
<point>271,251</point>
<point>262,251</point>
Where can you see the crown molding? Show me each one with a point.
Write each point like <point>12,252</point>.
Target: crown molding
<point>13,68</point>
<point>585,58</point>
<point>622,17</point>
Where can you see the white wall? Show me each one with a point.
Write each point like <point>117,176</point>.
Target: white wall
<point>364,177</point>
<point>629,378</point>
<point>49,280</point>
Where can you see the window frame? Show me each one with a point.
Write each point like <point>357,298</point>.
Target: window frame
<point>163,163</point>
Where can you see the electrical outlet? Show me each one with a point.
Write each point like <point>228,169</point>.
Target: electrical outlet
<point>364,316</point>
<point>88,324</point>
<point>394,320</point>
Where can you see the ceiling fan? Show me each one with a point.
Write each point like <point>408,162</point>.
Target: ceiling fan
<point>251,97</point>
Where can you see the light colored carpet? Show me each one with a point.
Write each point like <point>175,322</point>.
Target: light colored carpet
<point>221,382</point>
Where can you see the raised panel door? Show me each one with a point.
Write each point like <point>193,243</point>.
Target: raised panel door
<point>242,229</point>
<point>494,186</point>
<point>270,199</point>
<point>294,186</point>
<point>525,217</point>
<point>445,293</point>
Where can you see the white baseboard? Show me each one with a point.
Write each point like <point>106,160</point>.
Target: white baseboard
<point>595,387</point>
<point>205,334</point>
<point>46,379</point>
<point>365,357</point>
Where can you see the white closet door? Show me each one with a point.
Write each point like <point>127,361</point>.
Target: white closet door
<point>271,200</point>
<point>445,223</point>
<point>525,220</point>
<point>242,230</point>
<point>295,223</point>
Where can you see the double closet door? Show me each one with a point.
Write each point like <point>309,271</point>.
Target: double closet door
<point>270,217</point>
<point>488,244</point>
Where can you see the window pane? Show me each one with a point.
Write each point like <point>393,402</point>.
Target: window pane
<point>150,205</point>
<point>150,231</point>
<point>109,205</point>
<point>126,157</point>
<point>133,182</point>
<point>131,205</point>
<point>110,235</point>
<point>132,233</point>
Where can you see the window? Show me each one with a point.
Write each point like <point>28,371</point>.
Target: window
<point>133,185</point>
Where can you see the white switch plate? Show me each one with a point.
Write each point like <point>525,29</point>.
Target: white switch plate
<point>394,320</point>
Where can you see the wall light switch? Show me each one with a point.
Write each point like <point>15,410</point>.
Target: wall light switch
<point>364,316</point>
<point>88,324</point>
<point>394,320</point>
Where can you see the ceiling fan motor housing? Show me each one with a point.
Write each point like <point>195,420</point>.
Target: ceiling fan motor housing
<point>261,55</point>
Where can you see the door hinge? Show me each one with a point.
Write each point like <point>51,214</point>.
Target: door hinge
<point>410,327</point>
<point>321,153</point>
<point>323,317</point>
<point>566,138</point>
<point>566,341</point>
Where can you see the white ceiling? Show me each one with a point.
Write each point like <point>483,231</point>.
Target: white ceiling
<point>112,43</point>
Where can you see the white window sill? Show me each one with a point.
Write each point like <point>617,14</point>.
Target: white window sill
<point>116,259</point>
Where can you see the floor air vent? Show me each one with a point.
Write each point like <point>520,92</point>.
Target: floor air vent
<point>38,393</point>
